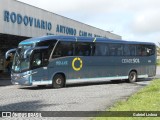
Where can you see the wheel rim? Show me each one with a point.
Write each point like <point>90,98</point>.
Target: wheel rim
<point>133,76</point>
<point>58,81</point>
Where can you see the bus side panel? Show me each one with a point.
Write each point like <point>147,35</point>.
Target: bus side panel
<point>58,66</point>
<point>40,76</point>
<point>151,65</point>
<point>147,66</point>
<point>97,67</point>
<point>85,67</point>
<point>77,68</point>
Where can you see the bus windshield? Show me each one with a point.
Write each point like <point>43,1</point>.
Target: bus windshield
<point>20,63</point>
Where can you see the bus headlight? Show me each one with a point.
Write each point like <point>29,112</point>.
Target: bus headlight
<point>15,76</point>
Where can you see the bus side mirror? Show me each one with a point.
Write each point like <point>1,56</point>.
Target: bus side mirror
<point>9,51</point>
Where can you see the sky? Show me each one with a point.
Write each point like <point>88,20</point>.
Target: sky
<point>134,20</point>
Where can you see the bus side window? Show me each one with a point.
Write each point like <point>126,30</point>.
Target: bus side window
<point>37,59</point>
<point>57,51</point>
<point>93,48</point>
<point>126,50</point>
<point>106,49</point>
<point>97,50</point>
<point>83,49</point>
<point>150,50</point>
<point>63,49</point>
<point>119,48</point>
<point>132,49</point>
<point>115,49</point>
<point>145,50</point>
<point>101,49</point>
<point>45,57</point>
<point>112,50</point>
<point>138,50</point>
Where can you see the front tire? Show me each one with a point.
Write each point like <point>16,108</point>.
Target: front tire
<point>58,81</point>
<point>132,77</point>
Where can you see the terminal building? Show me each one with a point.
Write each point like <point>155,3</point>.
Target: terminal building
<point>19,21</point>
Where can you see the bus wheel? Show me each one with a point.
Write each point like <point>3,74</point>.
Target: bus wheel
<point>132,77</point>
<point>58,81</point>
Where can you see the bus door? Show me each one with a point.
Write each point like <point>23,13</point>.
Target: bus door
<point>60,58</point>
<point>39,62</point>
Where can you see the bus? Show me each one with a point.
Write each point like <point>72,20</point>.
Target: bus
<point>61,60</point>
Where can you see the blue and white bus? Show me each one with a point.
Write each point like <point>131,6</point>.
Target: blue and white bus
<point>62,60</point>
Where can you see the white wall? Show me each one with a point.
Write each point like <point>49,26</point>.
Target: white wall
<point>31,31</point>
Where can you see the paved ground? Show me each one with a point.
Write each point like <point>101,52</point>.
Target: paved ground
<point>85,97</point>
<point>5,79</point>
<point>92,97</point>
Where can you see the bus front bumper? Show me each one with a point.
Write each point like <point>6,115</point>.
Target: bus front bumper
<point>21,79</point>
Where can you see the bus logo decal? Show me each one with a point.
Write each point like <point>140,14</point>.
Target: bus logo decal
<point>75,67</point>
<point>134,60</point>
<point>61,62</point>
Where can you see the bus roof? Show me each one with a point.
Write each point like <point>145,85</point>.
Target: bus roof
<point>80,39</point>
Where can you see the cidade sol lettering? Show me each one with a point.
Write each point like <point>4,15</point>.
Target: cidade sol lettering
<point>134,60</point>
